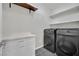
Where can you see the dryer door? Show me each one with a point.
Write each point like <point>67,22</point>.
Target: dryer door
<point>65,47</point>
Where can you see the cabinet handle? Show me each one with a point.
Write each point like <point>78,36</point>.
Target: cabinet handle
<point>20,41</point>
<point>2,44</point>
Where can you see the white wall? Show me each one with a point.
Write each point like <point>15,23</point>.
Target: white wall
<point>68,19</point>
<point>0,27</point>
<point>66,25</point>
<point>18,20</point>
<point>0,22</point>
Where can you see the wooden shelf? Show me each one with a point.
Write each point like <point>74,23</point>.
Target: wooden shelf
<point>25,5</point>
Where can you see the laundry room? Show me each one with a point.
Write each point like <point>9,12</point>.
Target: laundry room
<point>37,29</point>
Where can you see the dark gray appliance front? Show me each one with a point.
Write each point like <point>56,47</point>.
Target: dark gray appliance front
<point>67,43</point>
<point>50,39</point>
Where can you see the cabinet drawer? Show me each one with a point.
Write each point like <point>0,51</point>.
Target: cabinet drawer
<point>11,43</point>
<point>10,51</point>
<point>26,42</point>
<point>26,50</point>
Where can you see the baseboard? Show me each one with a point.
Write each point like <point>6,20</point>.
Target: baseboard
<point>39,47</point>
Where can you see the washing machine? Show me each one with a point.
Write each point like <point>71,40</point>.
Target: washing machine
<point>67,42</point>
<point>50,39</point>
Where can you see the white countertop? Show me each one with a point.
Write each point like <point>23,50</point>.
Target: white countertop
<point>19,35</point>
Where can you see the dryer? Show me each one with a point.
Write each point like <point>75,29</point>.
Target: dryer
<point>50,39</point>
<point>67,43</point>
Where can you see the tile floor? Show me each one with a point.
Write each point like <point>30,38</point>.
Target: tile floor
<point>44,52</point>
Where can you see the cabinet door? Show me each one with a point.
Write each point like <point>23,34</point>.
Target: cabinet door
<point>27,48</point>
<point>10,48</point>
<point>22,47</point>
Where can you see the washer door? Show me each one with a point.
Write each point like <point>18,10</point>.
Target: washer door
<point>66,48</point>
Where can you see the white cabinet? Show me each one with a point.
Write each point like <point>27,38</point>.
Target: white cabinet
<point>9,48</point>
<point>27,47</point>
<point>19,47</point>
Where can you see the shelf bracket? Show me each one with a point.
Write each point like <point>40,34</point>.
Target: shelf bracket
<point>29,11</point>
<point>9,5</point>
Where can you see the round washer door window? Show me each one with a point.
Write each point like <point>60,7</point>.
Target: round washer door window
<point>66,47</point>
